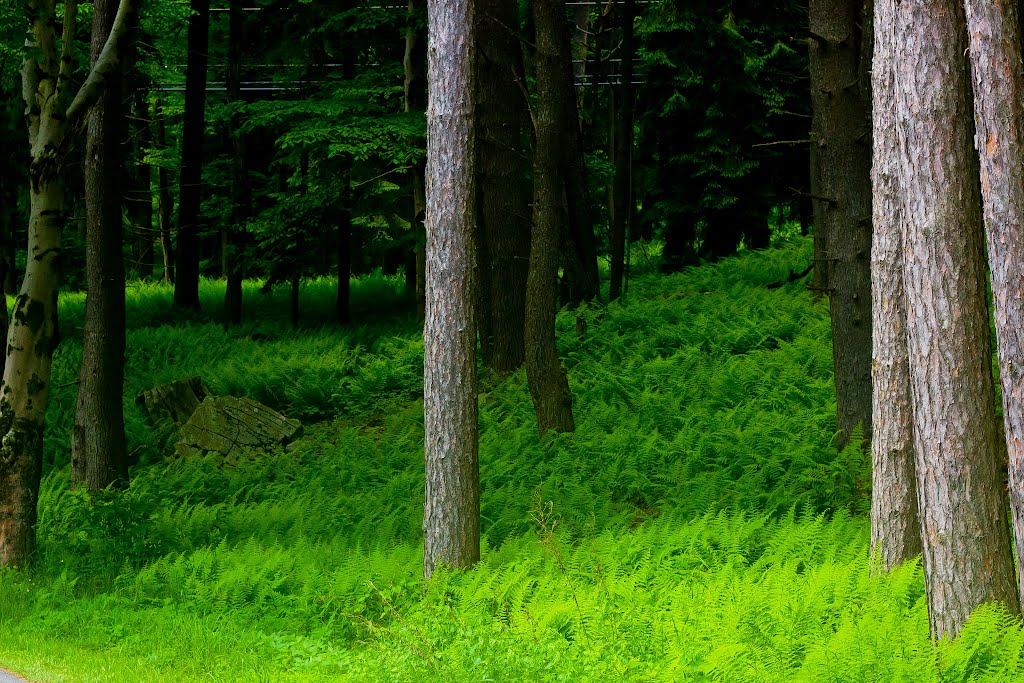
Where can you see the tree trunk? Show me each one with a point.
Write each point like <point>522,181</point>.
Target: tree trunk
<point>549,386</point>
<point>841,124</point>
<point>966,540</point>
<point>895,528</point>
<point>451,515</point>
<point>165,207</point>
<point>503,227</point>
<point>140,201</point>
<point>415,100</point>
<point>190,197</point>
<point>52,128</point>
<point>343,308</point>
<point>995,52</point>
<point>623,155</point>
<point>241,194</point>
<point>98,455</point>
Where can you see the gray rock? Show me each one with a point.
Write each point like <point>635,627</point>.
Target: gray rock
<point>229,426</point>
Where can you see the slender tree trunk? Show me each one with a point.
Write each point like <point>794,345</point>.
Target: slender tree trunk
<point>165,208</point>
<point>343,309</point>
<point>623,155</point>
<point>895,528</point>
<point>503,227</point>
<point>451,515</point>
<point>52,126</point>
<point>549,386</point>
<point>98,455</point>
<point>241,195</point>
<point>415,100</point>
<point>966,540</point>
<point>140,201</point>
<point>841,123</point>
<point>995,52</point>
<point>190,197</point>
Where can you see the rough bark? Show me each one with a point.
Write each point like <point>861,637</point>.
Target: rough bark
<point>895,529</point>
<point>415,100</point>
<point>186,282</point>
<point>995,50</point>
<point>622,183</point>
<point>98,455</point>
<point>52,126</point>
<point>451,515</point>
<point>841,132</point>
<point>965,537</point>
<point>503,195</point>
<point>549,386</point>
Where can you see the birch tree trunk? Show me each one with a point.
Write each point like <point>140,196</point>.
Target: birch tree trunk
<point>965,537</point>
<point>52,126</point>
<point>98,454</point>
<point>995,51</point>
<point>895,529</point>
<point>451,515</point>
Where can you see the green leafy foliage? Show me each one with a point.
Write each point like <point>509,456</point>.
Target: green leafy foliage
<point>698,526</point>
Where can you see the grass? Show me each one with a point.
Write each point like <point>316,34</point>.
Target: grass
<point>698,526</point>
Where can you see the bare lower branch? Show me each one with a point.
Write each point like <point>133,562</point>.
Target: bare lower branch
<point>111,54</point>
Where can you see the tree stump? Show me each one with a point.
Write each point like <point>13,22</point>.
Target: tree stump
<point>229,425</point>
<point>175,401</point>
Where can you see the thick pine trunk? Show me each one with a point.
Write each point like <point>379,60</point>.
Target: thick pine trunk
<point>451,515</point>
<point>549,385</point>
<point>966,539</point>
<point>503,226</point>
<point>895,529</point>
<point>98,455</point>
<point>842,223</point>
<point>995,51</point>
<point>186,281</point>
<point>623,156</point>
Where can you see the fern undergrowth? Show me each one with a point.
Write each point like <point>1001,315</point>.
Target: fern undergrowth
<point>698,526</point>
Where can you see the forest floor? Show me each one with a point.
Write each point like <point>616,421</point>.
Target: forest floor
<point>698,526</point>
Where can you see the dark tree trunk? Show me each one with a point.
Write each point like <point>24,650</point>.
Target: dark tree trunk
<point>623,155</point>
<point>98,455</point>
<point>186,282</point>
<point>140,198</point>
<point>415,100</point>
<point>841,124</point>
<point>294,307</point>
<point>549,386</point>
<point>165,205</point>
<point>241,194</point>
<point>960,466</point>
<point>343,308</point>
<point>995,50</point>
<point>503,196</point>
<point>895,527</point>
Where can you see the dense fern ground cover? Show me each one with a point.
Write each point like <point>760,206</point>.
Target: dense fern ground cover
<point>698,526</point>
